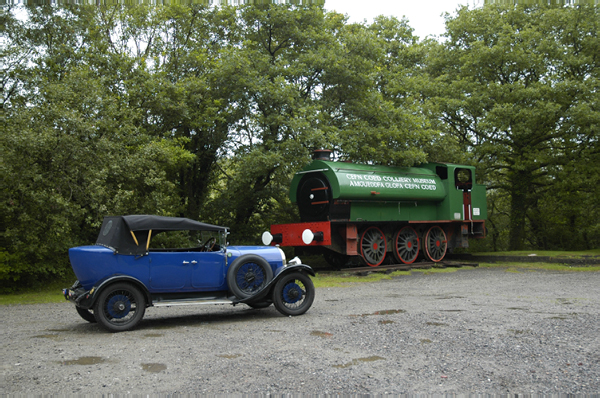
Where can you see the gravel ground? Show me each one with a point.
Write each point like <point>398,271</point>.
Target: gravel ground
<point>485,331</point>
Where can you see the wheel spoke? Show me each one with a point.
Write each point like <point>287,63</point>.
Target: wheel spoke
<point>293,294</point>
<point>247,275</point>
<point>406,245</point>
<point>119,307</point>
<point>250,277</point>
<point>436,243</point>
<point>373,246</point>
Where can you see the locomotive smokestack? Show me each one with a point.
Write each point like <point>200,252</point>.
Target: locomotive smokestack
<point>322,154</point>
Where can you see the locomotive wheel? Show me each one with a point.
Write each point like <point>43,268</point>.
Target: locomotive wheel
<point>406,245</point>
<point>373,246</point>
<point>436,244</point>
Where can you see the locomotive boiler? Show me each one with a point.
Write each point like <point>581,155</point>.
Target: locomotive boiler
<point>382,212</point>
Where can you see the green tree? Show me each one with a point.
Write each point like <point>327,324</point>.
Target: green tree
<point>275,79</point>
<point>518,87</point>
<point>308,80</point>
<point>73,147</point>
<point>185,94</point>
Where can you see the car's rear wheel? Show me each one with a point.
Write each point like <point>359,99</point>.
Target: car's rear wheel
<point>293,294</point>
<point>86,314</point>
<point>120,307</point>
<point>247,275</point>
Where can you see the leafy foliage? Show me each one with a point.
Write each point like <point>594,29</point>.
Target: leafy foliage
<point>518,88</point>
<point>208,113</point>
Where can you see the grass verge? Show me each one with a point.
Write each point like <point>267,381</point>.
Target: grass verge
<point>545,253</point>
<point>513,267</point>
<point>50,293</point>
<point>336,279</point>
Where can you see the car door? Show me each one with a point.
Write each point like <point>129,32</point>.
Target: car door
<point>169,271</point>
<point>208,270</point>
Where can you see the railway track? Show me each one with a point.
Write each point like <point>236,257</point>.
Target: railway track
<point>388,269</point>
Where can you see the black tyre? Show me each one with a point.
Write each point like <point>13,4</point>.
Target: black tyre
<point>293,294</point>
<point>120,307</point>
<point>247,275</point>
<point>88,315</point>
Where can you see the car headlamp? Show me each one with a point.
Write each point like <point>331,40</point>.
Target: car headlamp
<point>295,261</point>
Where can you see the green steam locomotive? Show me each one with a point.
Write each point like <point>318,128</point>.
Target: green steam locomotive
<point>382,214</point>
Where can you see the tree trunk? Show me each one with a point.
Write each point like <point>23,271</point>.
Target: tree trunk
<point>520,185</point>
<point>194,184</point>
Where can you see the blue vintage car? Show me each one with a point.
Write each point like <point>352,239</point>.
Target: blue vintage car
<point>140,261</point>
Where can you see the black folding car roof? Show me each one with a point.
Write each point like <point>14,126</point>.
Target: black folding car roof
<point>129,234</point>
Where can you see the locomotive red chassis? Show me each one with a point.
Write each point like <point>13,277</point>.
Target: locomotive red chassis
<point>429,238</point>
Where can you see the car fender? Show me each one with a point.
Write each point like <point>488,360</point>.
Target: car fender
<point>279,273</point>
<point>89,299</point>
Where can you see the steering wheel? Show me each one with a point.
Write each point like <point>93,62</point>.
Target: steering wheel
<point>210,244</point>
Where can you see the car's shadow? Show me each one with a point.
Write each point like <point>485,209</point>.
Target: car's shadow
<point>200,319</point>
<point>161,319</point>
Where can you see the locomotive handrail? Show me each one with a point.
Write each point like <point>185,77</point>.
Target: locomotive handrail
<point>378,172</point>
<point>311,171</point>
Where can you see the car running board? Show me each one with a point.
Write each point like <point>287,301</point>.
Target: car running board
<point>169,303</point>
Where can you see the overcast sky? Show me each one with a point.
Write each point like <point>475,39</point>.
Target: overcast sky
<point>424,16</point>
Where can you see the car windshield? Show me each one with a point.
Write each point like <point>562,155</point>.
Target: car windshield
<point>187,239</point>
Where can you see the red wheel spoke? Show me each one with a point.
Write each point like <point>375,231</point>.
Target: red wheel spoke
<point>373,246</point>
<point>406,245</point>
<point>436,243</point>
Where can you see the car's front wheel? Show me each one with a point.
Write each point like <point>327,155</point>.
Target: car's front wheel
<point>293,294</point>
<point>120,307</point>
